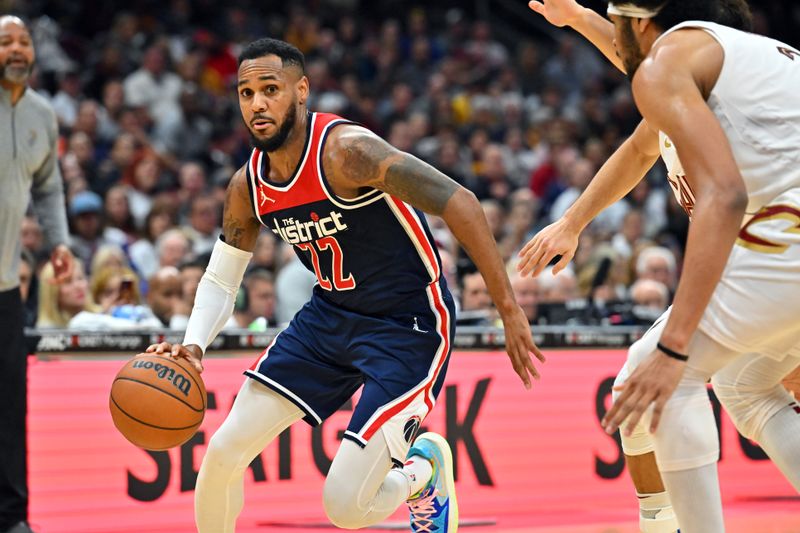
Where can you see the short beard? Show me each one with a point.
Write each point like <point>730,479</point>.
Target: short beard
<point>16,75</point>
<point>275,142</point>
<point>632,56</point>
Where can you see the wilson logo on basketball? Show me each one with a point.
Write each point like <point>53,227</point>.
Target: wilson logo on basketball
<point>181,382</point>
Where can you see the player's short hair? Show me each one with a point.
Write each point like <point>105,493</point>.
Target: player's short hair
<point>673,12</point>
<point>736,14</point>
<point>288,53</point>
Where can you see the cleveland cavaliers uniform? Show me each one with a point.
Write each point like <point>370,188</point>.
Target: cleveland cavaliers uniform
<point>756,304</point>
<point>380,316</point>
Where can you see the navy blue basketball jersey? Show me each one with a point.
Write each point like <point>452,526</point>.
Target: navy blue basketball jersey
<point>373,254</point>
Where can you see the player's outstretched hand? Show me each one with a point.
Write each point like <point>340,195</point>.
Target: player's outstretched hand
<point>191,353</point>
<point>520,345</point>
<point>557,12</point>
<point>653,382</point>
<point>559,238</point>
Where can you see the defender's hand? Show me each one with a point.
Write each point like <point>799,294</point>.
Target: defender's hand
<point>559,238</point>
<point>653,382</point>
<point>191,353</point>
<point>519,345</point>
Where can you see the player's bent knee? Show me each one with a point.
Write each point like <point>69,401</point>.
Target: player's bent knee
<point>687,434</point>
<point>749,406</point>
<point>640,441</point>
<point>341,506</point>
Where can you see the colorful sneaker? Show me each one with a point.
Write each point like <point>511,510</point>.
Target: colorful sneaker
<point>434,508</point>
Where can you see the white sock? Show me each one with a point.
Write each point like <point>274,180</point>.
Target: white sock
<point>780,438</point>
<point>696,499</point>
<point>418,471</point>
<point>656,514</point>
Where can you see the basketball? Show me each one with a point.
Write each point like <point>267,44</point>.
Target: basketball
<point>157,402</point>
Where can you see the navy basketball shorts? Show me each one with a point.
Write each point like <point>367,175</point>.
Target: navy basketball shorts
<point>326,353</point>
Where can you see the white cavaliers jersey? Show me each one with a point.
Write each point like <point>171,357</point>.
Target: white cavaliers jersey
<point>757,102</point>
<point>756,99</point>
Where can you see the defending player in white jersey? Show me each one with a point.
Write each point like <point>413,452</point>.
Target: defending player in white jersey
<point>739,125</point>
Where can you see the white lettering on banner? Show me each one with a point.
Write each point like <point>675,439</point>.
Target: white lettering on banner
<point>295,231</point>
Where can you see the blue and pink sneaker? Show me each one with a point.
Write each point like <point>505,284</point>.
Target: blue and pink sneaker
<point>434,508</point>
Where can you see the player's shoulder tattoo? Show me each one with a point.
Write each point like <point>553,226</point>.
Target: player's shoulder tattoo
<point>237,214</point>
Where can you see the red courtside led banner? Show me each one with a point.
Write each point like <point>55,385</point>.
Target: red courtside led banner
<point>523,458</point>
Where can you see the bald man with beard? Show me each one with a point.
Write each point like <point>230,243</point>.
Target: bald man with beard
<point>164,295</point>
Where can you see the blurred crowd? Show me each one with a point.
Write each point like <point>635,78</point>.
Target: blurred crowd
<point>151,134</point>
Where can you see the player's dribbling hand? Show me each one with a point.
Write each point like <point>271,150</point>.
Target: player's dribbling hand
<point>653,382</point>
<point>520,345</point>
<point>559,238</point>
<point>191,353</point>
<point>557,12</point>
<point>63,264</point>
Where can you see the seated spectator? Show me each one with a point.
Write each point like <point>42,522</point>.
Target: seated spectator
<point>143,253</point>
<point>658,263</point>
<point>59,303</point>
<point>118,213</point>
<point>172,248</point>
<point>558,288</point>
<point>528,294</point>
<point>109,255</point>
<point>115,289</point>
<point>204,218</point>
<point>265,253</point>
<point>164,296</point>
<point>650,294</point>
<point>476,303</point>
<point>293,286</point>
<point>256,307</point>
<point>191,274</point>
<point>89,233</point>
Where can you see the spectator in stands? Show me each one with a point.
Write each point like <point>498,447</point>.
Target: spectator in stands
<point>164,296</point>
<point>260,287</point>
<point>58,304</point>
<point>193,183</point>
<point>118,213</point>
<point>31,235</point>
<point>493,181</point>
<point>293,286</point>
<point>191,273</point>
<point>153,86</point>
<point>476,304</point>
<point>172,248</point>
<point>143,177</point>
<point>108,255</point>
<point>265,254</point>
<point>527,293</point>
<point>657,263</point>
<point>204,217</point>
<point>650,294</point>
<point>143,253</point>
<point>89,233</point>
<point>558,288</point>
<point>117,165</point>
<point>630,235</point>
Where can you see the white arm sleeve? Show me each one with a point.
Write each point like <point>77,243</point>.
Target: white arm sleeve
<point>216,294</point>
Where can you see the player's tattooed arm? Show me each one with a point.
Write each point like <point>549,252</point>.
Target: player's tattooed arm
<point>239,225</point>
<point>358,158</point>
<point>355,158</point>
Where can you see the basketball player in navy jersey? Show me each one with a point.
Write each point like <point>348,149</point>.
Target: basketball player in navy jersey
<point>381,315</point>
